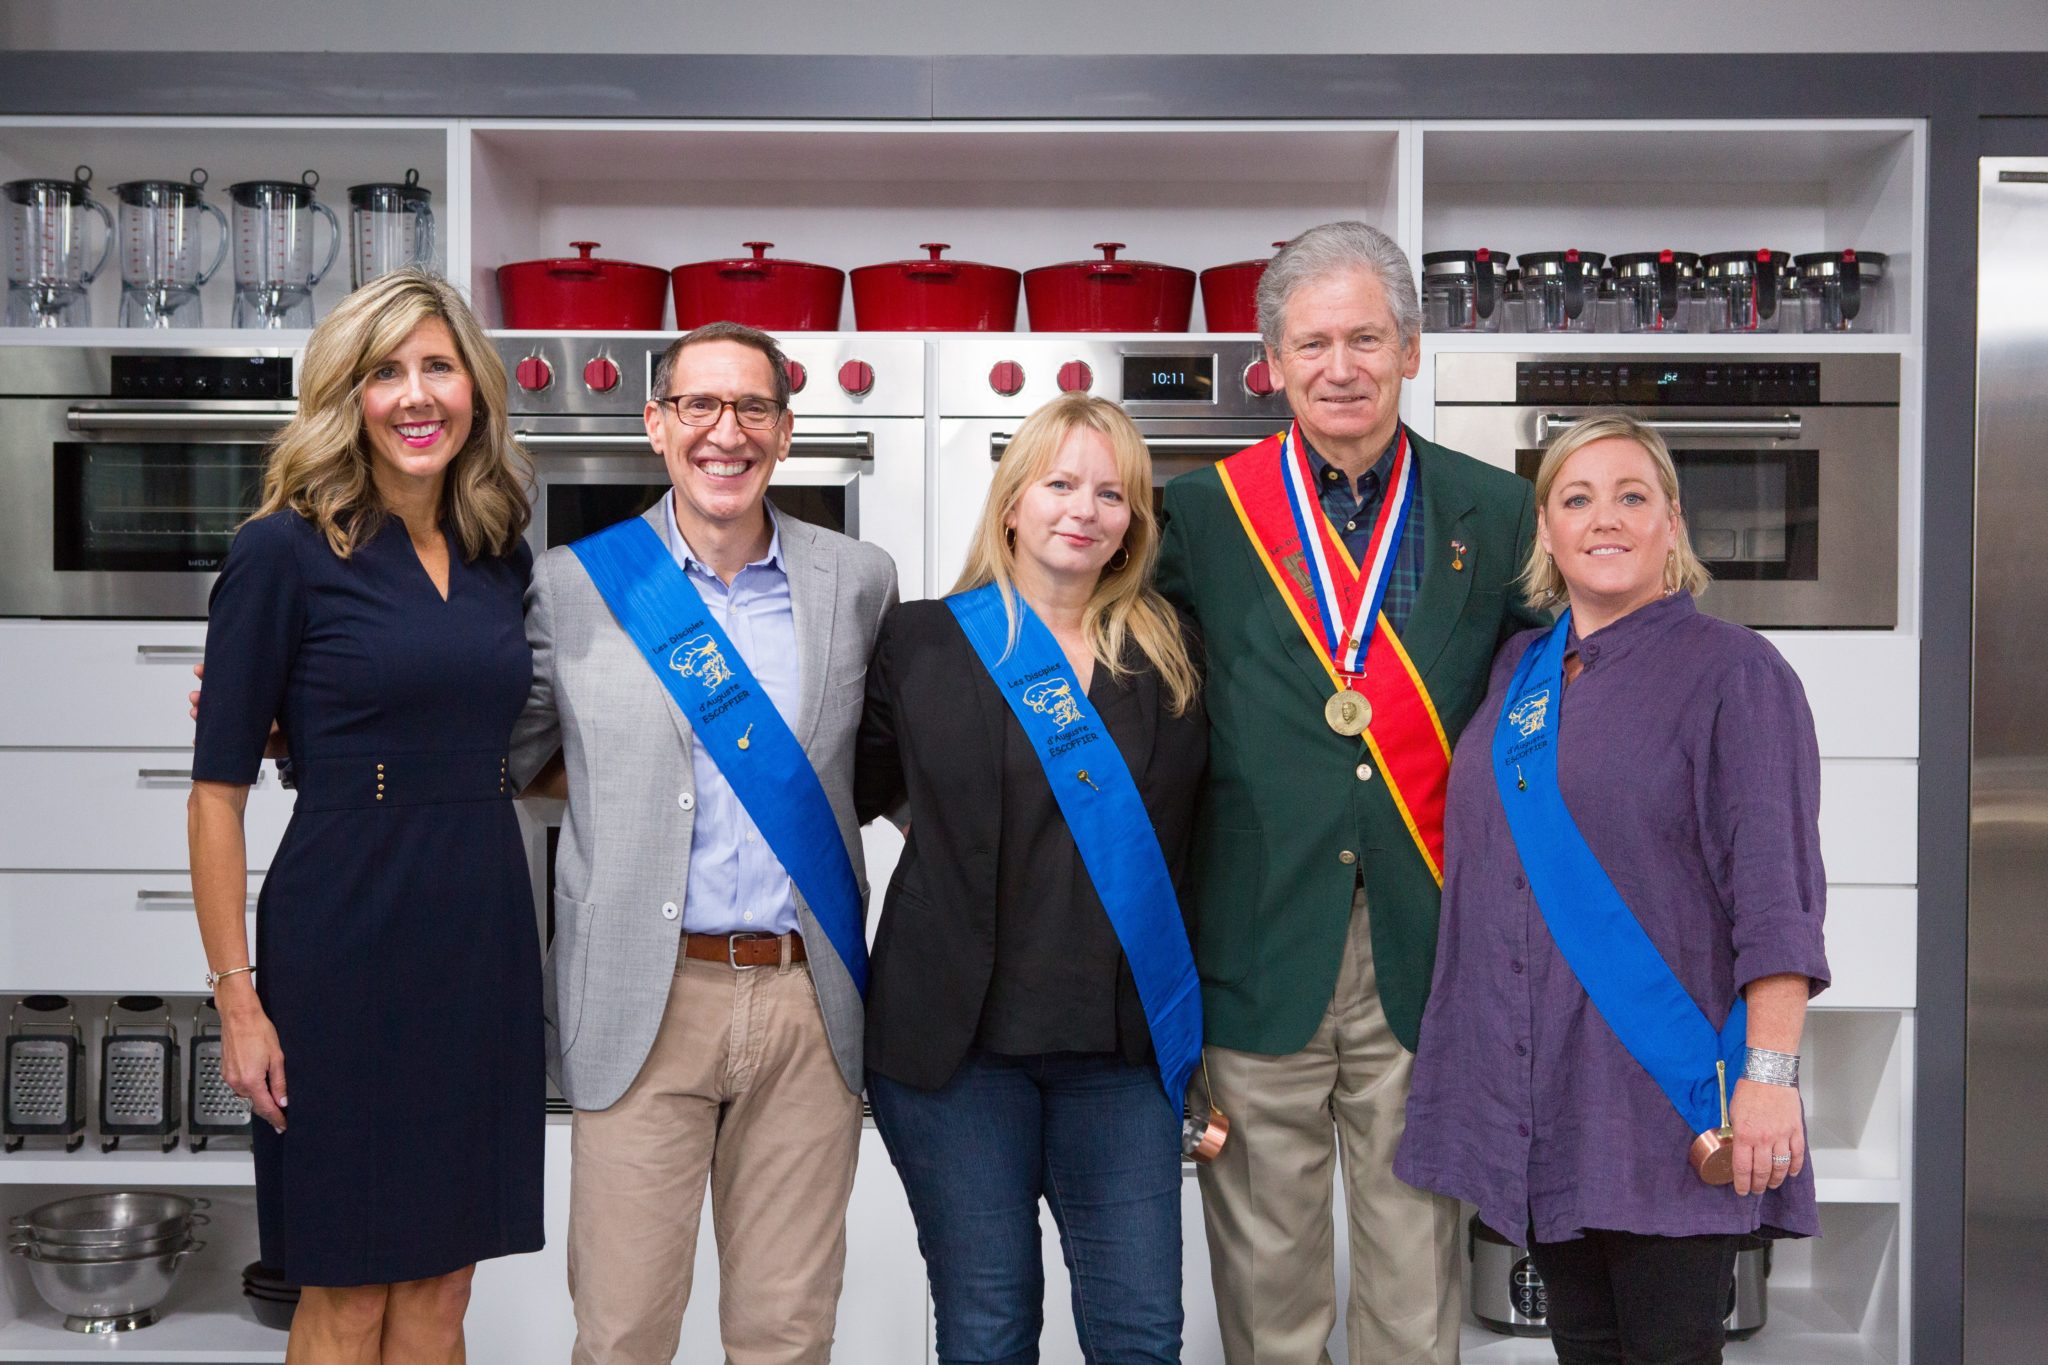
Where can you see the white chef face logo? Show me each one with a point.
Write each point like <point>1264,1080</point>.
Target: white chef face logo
<point>1054,698</point>
<point>1530,713</point>
<point>699,658</point>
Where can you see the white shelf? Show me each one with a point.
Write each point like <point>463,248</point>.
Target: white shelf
<point>131,1167</point>
<point>157,338</point>
<point>1643,343</point>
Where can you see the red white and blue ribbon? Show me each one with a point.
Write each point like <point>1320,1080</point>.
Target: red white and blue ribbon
<point>1336,582</point>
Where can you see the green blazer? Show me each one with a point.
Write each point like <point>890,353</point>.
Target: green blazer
<point>1268,896</point>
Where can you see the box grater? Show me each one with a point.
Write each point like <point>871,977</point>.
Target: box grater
<point>211,1109</point>
<point>45,1075</point>
<point>139,1074</point>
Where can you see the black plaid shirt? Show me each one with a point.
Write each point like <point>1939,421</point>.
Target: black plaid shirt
<point>1353,512</point>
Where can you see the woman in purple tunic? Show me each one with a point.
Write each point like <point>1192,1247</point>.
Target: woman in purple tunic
<point>1686,758</point>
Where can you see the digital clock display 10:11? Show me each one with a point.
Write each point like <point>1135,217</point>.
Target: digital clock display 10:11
<point>1186,378</point>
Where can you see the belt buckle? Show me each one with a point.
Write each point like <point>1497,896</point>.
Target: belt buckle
<point>731,947</point>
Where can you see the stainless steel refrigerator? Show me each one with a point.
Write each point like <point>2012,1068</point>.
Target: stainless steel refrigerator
<point>2005,1304</point>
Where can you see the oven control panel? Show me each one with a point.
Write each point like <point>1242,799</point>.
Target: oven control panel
<point>1651,382</point>
<point>170,375</point>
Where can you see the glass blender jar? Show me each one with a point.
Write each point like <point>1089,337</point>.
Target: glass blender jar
<point>47,275</point>
<point>1749,291</point>
<point>1560,289</point>
<point>1659,291</point>
<point>160,274</point>
<point>273,232</point>
<point>389,227</point>
<point>1462,290</point>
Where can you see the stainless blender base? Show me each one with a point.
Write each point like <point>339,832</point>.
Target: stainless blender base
<point>124,1322</point>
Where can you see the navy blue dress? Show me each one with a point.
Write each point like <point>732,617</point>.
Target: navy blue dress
<point>396,947</point>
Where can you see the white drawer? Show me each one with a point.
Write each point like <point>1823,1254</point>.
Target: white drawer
<point>99,933</point>
<point>1864,690</point>
<point>1870,821</point>
<point>104,811</point>
<point>1873,947</point>
<point>116,684</point>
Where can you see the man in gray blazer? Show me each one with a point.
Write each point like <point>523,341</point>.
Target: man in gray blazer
<point>701,1022</point>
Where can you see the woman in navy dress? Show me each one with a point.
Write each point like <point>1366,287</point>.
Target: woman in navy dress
<point>372,607</point>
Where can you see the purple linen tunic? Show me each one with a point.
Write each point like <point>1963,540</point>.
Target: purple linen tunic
<point>1687,756</point>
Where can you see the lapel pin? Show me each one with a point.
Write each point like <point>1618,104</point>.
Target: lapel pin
<point>1458,555</point>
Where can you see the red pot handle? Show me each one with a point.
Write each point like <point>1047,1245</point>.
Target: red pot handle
<point>1109,266</point>
<point>934,269</point>
<point>757,266</point>
<point>580,268</point>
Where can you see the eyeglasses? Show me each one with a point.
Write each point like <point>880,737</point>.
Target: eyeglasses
<point>702,410</point>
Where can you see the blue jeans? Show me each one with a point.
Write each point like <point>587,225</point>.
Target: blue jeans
<point>1095,1137</point>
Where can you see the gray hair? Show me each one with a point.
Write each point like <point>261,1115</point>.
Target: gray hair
<point>725,331</point>
<point>1333,249</point>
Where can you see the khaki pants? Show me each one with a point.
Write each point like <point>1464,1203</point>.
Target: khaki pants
<point>740,1086</point>
<point>1266,1199</point>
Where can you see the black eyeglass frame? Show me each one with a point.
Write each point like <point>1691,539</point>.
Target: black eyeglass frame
<point>674,403</point>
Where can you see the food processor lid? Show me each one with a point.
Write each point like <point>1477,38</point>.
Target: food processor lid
<point>1553,262</point>
<point>263,193</point>
<point>1870,265</point>
<point>26,191</point>
<point>1463,262</point>
<point>1645,263</point>
<point>163,191</point>
<point>408,193</point>
<point>1741,262</point>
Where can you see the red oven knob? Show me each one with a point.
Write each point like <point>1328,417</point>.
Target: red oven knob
<point>798,375</point>
<point>534,374</point>
<point>1258,379</point>
<point>1006,377</point>
<point>601,376</point>
<point>856,377</point>
<point>1076,377</point>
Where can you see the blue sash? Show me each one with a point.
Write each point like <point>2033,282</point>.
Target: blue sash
<point>1107,817</point>
<point>661,612</point>
<point>1627,979</point>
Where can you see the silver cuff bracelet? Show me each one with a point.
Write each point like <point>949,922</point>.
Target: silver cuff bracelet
<point>1771,1068</point>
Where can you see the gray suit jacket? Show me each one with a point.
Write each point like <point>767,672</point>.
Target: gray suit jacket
<point>623,864</point>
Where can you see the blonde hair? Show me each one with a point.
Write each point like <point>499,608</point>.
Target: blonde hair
<point>1124,606</point>
<point>320,464</point>
<point>1542,585</point>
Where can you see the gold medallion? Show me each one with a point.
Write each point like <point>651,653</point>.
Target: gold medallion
<point>1347,713</point>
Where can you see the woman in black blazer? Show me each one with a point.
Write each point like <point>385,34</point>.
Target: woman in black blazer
<point>1009,1056</point>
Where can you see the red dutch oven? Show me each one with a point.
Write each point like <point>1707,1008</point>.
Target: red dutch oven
<point>776,296</point>
<point>1109,295</point>
<point>582,291</point>
<point>934,296</point>
<point>1230,295</point>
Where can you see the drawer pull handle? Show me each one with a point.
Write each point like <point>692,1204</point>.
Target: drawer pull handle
<point>163,777</point>
<point>151,654</point>
<point>146,899</point>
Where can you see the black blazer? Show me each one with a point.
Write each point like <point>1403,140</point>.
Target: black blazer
<point>932,737</point>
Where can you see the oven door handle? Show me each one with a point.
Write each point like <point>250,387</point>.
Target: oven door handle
<point>851,445</point>
<point>1000,442</point>
<point>1783,426</point>
<point>150,419</point>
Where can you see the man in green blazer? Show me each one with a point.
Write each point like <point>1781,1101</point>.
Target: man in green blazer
<point>1314,882</point>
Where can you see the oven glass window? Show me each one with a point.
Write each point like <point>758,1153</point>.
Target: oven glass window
<point>575,510</point>
<point>1754,515</point>
<point>151,506</point>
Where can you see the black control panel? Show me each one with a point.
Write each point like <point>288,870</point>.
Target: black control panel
<point>202,376</point>
<point>1183,378</point>
<point>1683,383</point>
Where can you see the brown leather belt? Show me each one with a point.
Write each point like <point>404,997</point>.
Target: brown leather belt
<point>743,950</point>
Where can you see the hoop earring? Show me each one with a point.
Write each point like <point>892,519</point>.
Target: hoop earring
<point>1010,537</point>
<point>1118,560</point>
<point>1671,571</point>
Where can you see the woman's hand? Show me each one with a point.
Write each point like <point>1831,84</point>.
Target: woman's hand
<point>1768,1126</point>
<point>251,1060</point>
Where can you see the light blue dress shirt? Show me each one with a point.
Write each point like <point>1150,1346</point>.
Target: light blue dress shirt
<point>737,884</point>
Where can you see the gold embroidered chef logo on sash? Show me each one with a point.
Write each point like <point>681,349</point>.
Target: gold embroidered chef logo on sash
<point>1054,698</point>
<point>699,657</point>
<point>1530,713</point>
<point>1296,565</point>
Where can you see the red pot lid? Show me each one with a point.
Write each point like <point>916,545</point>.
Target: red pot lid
<point>1110,265</point>
<point>758,263</point>
<point>934,264</point>
<point>1260,261</point>
<point>583,263</point>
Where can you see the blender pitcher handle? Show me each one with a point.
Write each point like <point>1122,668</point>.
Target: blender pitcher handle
<point>106,245</point>
<point>220,220</point>
<point>333,242</point>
